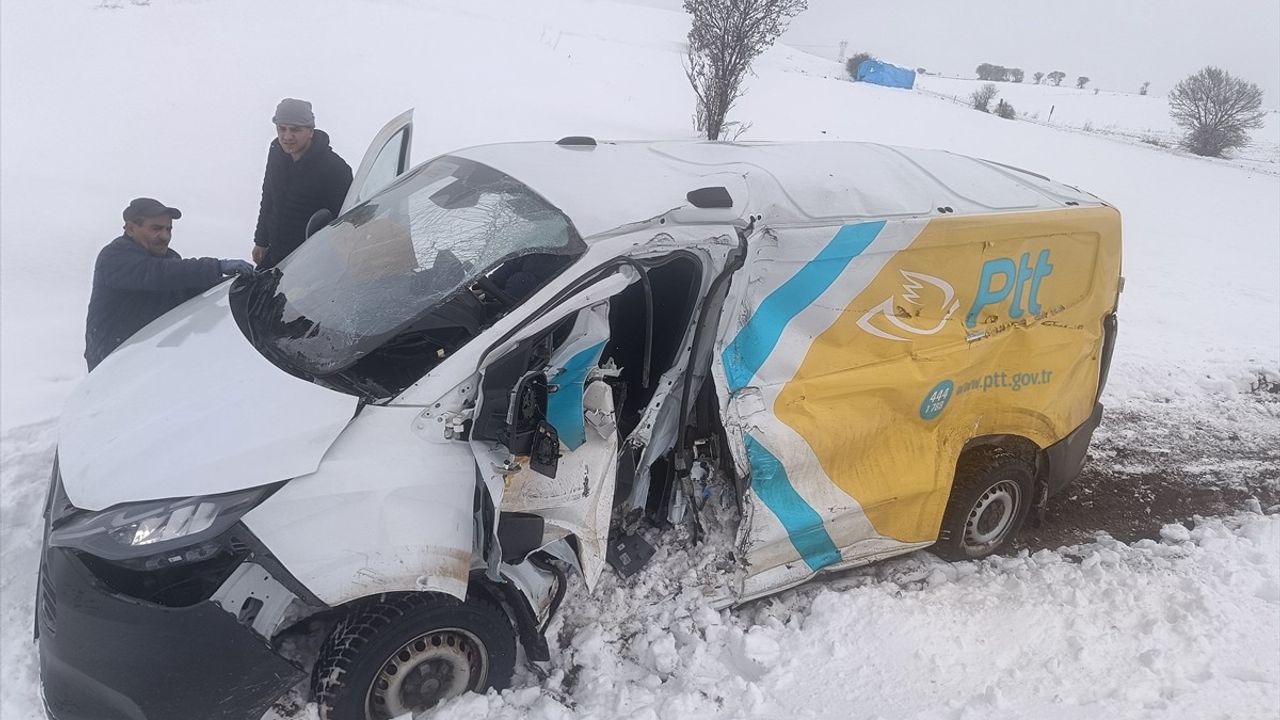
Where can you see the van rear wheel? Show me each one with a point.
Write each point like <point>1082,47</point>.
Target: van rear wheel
<point>406,653</point>
<point>990,498</point>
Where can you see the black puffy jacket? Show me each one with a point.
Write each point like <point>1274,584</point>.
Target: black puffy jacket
<point>132,287</point>
<point>293,191</point>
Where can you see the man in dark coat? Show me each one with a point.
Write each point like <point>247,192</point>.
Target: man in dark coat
<point>303,175</point>
<point>137,278</point>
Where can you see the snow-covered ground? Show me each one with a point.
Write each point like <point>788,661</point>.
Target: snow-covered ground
<point>1125,115</point>
<point>173,100</point>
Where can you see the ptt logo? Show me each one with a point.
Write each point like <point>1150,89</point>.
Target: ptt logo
<point>1001,279</point>
<point>1012,280</point>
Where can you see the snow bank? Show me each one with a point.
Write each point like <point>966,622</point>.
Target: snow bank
<point>1183,627</point>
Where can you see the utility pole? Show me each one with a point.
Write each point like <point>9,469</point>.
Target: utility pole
<point>844,48</point>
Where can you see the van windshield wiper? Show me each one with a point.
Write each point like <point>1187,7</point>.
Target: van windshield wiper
<point>369,391</point>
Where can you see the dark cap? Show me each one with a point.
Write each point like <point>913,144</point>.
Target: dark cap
<point>148,207</point>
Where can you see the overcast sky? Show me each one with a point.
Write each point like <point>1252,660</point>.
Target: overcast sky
<point>1116,43</point>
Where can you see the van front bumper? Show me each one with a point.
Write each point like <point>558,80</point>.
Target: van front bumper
<point>107,656</point>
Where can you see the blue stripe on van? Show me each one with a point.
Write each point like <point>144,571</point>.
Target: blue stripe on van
<point>757,339</point>
<point>564,406</point>
<point>803,524</point>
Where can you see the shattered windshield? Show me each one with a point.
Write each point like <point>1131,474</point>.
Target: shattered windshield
<point>420,268</point>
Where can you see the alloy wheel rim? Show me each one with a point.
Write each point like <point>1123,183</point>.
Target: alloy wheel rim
<point>429,668</point>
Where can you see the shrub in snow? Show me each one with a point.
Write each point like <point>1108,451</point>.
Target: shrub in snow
<point>1081,82</point>
<point>1143,90</point>
<point>1217,111</point>
<point>1056,77</point>
<point>1038,76</point>
<point>982,97</point>
<point>1005,110</point>
<point>725,36</point>
<point>851,65</point>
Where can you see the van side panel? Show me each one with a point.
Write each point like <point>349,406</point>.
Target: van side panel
<point>863,358</point>
<point>984,325</point>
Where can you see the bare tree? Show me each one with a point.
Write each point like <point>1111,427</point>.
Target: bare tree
<point>851,65</point>
<point>1081,82</point>
<point>1143,90</point>
<point>982,97</point>
<point>1056,77</point>
<point>725,36</point>
<point>1217,111</point>
<point>1038,76</point>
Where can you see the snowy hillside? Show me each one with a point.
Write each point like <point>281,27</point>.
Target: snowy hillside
<point>173,100</point>
<point>1127,116</point>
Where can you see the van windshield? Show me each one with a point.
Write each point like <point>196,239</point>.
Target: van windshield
<point>409,276</point>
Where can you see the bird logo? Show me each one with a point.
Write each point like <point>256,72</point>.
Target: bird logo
<point>889,319</point>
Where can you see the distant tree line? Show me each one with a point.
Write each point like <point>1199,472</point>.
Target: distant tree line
<point>1000,73</point>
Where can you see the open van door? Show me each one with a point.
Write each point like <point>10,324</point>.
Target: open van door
<point>544,431</point>
<point>386,159</point>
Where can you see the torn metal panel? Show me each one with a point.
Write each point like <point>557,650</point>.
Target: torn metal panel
<point>255,599</point>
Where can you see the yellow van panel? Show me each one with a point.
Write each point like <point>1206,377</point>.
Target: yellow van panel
<point>982,325</point>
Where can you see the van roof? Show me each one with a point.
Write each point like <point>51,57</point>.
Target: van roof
<point>602,186</point>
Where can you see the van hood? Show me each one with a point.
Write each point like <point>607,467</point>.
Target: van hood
<point>188,407</point>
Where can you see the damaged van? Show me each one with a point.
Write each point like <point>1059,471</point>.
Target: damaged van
<point>511,363</point>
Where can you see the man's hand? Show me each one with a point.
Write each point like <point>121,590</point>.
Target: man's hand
<point>259,254</point>
<point>235,267</point>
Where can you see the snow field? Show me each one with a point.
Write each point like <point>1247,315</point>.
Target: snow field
<point>173,100</point>
<point>1128,115</point>
<point>1184,626</point>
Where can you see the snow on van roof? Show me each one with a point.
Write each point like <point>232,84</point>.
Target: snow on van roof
<point>605,186</point>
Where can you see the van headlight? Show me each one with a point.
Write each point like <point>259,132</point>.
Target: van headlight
<point>156,528</point>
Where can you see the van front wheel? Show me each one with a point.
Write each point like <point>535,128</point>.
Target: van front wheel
<point>990,498</point>
<point>405,653</point>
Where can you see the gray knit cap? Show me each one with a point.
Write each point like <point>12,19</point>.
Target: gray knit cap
<point>292,111</point>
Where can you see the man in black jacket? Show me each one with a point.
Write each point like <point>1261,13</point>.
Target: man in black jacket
<point>137,278</point>
<point>303,175</point>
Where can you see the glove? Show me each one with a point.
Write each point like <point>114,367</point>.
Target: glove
<point>235,267</point>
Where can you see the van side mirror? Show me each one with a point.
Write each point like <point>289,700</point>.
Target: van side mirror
<point>528,408</point>
<point>318,219</point>
<point>530,433</point>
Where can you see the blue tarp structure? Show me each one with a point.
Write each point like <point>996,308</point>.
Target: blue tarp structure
<point>882,73</point>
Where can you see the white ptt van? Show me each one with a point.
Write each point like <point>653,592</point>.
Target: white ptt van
<point>493,369</point>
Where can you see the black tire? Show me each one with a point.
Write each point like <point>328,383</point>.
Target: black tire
<point>445,647</point>
<point>990,499</point>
